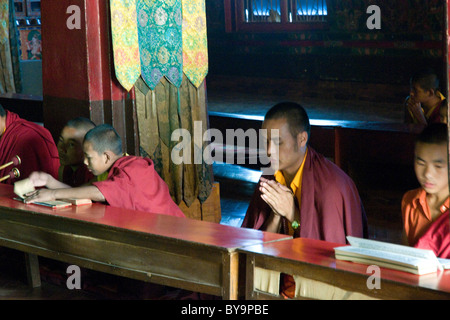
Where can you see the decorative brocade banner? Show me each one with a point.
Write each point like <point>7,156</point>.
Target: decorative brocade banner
<point>4,20</point>
<point>195,44</point>
<point>125,42</point>
<point>160,41</point>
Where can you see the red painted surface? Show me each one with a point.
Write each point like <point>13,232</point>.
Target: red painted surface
<point>202,232</point>
<point>322,253</point>
<point>76,63</point>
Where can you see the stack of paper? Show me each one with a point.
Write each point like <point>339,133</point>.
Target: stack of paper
<point>394,256</point>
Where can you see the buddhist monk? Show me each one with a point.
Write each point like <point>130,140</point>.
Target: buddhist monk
<point>308,196</point>
<point>425,209</point>
<point>73,172</point>
<point>132,181</point>
<point>31,142</point>
<point>425,101</point>
<point>437,237</point>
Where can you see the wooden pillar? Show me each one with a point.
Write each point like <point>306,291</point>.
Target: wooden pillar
<point>77,69</point>
<point>446,40</point>
<point>446,55</point>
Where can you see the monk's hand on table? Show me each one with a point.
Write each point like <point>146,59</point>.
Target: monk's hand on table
<point>40,195</point>
<point>279,197</point>
<point>38,178</point>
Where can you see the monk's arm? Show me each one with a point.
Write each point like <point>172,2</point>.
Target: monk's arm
<point>87,192</point>
<point>44,179</point>
<point>273,223</point>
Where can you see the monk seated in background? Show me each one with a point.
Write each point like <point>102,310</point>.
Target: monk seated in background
<point>132,181</point>
<point>31,142</point>
<point>425,104</point>
<point>308,196</point>
<point>73,172</point>
<point>425,211</point>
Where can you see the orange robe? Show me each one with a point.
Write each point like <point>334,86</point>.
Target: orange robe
<point>416,214</point>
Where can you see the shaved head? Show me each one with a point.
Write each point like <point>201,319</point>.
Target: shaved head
<point>81,124</point>
<point>104,138</point>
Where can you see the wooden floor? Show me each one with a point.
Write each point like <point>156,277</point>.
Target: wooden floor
<point>13,282</point>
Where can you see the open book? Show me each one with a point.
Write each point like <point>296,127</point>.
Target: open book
<point>388,255</point>
<point>25,186</point>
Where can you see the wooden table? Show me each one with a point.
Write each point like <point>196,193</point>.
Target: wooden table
<point>179,252</point>
<point>314,259</point>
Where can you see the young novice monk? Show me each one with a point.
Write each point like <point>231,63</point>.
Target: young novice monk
<point>424,103</point>
<point>423,207</point>
<point>132,181</point>
<point>73,171</point>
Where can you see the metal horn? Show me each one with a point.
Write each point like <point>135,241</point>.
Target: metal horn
<point>14,173</point>
<point>15,161</point>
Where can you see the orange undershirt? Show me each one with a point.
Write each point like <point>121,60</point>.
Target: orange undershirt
<point>416,214</point>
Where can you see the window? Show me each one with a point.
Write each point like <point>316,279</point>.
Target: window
<point>275,15</point>
<point>27,8</point>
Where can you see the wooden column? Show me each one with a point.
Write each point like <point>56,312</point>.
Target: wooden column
<point>446,64</point>
<point>77,69</point>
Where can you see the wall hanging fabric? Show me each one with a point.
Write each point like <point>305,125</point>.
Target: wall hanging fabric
<point>125,41</point>
<point>195,44</point>
<point>160,41</point>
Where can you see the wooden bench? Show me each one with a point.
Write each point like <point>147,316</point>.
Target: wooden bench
<point>178,252</point>
<point>341,141</point>
<point>314,262</point>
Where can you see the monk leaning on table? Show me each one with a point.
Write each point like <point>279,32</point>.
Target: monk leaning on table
<point>308,196</point>
<point>31,142</point>
<point>132,181</point>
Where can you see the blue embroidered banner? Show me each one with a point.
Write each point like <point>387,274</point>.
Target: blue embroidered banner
<point>160,40</point>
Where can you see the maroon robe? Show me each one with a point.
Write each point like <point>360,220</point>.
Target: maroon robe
<point>76,178</point>
<point>32,143</point>
<point>133,183</point>
<point>437,237</point>
<point>331,208</point>
<point>435,116</point>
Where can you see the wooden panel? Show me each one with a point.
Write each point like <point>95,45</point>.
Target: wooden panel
<point>211,207</point>
<point>161,262</point>
<point>314,259</point>
<point>192,212</point>
<point>179,252</point>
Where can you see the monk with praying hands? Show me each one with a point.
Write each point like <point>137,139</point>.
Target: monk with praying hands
<point>132,181</point>
<point>308,196</point>
<point>425,104</point>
